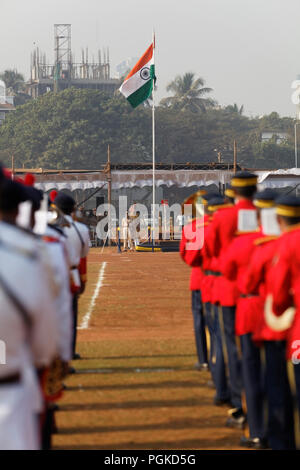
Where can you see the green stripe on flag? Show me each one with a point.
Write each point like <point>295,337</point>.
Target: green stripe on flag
<point>143,93</point>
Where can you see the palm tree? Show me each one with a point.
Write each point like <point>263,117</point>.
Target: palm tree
<point>13,80</point>
<point>233,108</point>
<point>188,94</point>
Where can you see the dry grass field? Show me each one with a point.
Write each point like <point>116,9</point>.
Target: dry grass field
<point>135,385</point>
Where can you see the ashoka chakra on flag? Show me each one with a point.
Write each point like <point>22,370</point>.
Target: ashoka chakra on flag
<point>138,85</point>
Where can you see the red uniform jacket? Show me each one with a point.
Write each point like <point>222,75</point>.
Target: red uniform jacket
<point>234,265</point>
<point>286,284</point>
<point>223,231</point>
<point>208,265</point>
<point>190,256</point>
<point>197,256</point>
<point>258,279</point>
<point>214,283</point>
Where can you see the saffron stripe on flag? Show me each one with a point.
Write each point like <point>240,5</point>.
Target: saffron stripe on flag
<point>142,62</point>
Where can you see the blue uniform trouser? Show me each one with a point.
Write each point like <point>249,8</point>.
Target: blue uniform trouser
<point>234,362</point>
<point>254,386</point>
<point>209,321</point>
<point>280,401</point>
<point>216,358</point>
<point>297,380</point>
<point>199,326</point>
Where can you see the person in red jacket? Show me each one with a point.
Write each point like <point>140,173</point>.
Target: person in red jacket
<point>188,254</point>
<point>285,290</point>
<point>217,360</point>
<point>235,263</point>
<point>224,227</point>
<point>257,278</point>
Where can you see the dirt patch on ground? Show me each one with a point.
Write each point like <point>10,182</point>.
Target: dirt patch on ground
<point>136,386</point>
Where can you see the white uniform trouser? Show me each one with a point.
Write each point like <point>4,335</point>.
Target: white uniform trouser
<point>18,423</point>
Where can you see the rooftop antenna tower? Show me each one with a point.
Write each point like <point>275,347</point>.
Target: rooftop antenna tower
<point>62,54</point>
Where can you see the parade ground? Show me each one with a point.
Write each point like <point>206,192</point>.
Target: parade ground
<point>135,385</point>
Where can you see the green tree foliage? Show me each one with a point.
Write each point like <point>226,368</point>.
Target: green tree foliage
<point>13,80</point>
<point>189,94</point>
<point>72,129</point>
<point>234,108</point>
<point>15,85</point>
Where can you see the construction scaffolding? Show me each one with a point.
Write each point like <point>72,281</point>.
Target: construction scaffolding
<point>65,72</point>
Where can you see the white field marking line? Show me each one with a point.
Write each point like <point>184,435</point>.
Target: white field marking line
<point>86,319</point>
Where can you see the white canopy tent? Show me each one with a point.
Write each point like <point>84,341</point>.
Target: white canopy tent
<point>279,178</point>
<point>127,179</point>
<point>131,179</point>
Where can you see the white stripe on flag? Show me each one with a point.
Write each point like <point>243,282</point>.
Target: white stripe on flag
<point>134,82</point>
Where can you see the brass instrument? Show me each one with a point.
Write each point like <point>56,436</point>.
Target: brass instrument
<point>59,218</point>
<point>52,380</point>
<point>196,201</point>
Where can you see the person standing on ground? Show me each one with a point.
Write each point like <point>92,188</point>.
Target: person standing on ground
<point>188,256</point>
<point>78,244</point>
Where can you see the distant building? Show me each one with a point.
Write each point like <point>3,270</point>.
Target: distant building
<point>65,72</point>
<point>125,66</point>
<point>280,136</point>
<point>6,102</point>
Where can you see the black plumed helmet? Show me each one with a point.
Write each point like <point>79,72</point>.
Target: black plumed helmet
<point>65,203</point>
<point>12,194</point>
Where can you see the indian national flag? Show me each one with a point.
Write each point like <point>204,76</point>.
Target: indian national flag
<point>138,85</point>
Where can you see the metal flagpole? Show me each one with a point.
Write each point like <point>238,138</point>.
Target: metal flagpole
<point>153,150</point>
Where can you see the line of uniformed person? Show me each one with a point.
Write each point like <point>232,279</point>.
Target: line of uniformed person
<point>246,277</point>
<point>42,271</point>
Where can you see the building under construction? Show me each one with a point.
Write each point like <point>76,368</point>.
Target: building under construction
<point>65,72</point>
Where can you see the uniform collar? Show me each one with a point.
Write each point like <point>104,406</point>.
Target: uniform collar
<point>292,228</point>
<point>245,204</point>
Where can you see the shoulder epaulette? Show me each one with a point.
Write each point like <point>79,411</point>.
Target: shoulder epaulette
<point>237,233</point>
<point>261,241</point>
<point>225,206</point>
<point>291,228</point>
<point>202,224</point>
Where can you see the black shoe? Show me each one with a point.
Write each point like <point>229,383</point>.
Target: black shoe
<point>237,419</point>
<point>253,443</point>
<point>53,406</point>
<point>220,402</point>
<point>201,367</point>
<point>76,356</point>
<point>260,443</point>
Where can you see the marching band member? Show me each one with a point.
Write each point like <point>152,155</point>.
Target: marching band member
<point>285,275</point>
<point>196,278</point>
<point>224,227</point>
<point>217,362</point>
<point>57,270</point>
<point>27,324</point>
<point>78,243</point>
<point>280,426</point>
<point>235,263</point>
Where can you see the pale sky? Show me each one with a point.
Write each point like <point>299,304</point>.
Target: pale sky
<point>248,51</point>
